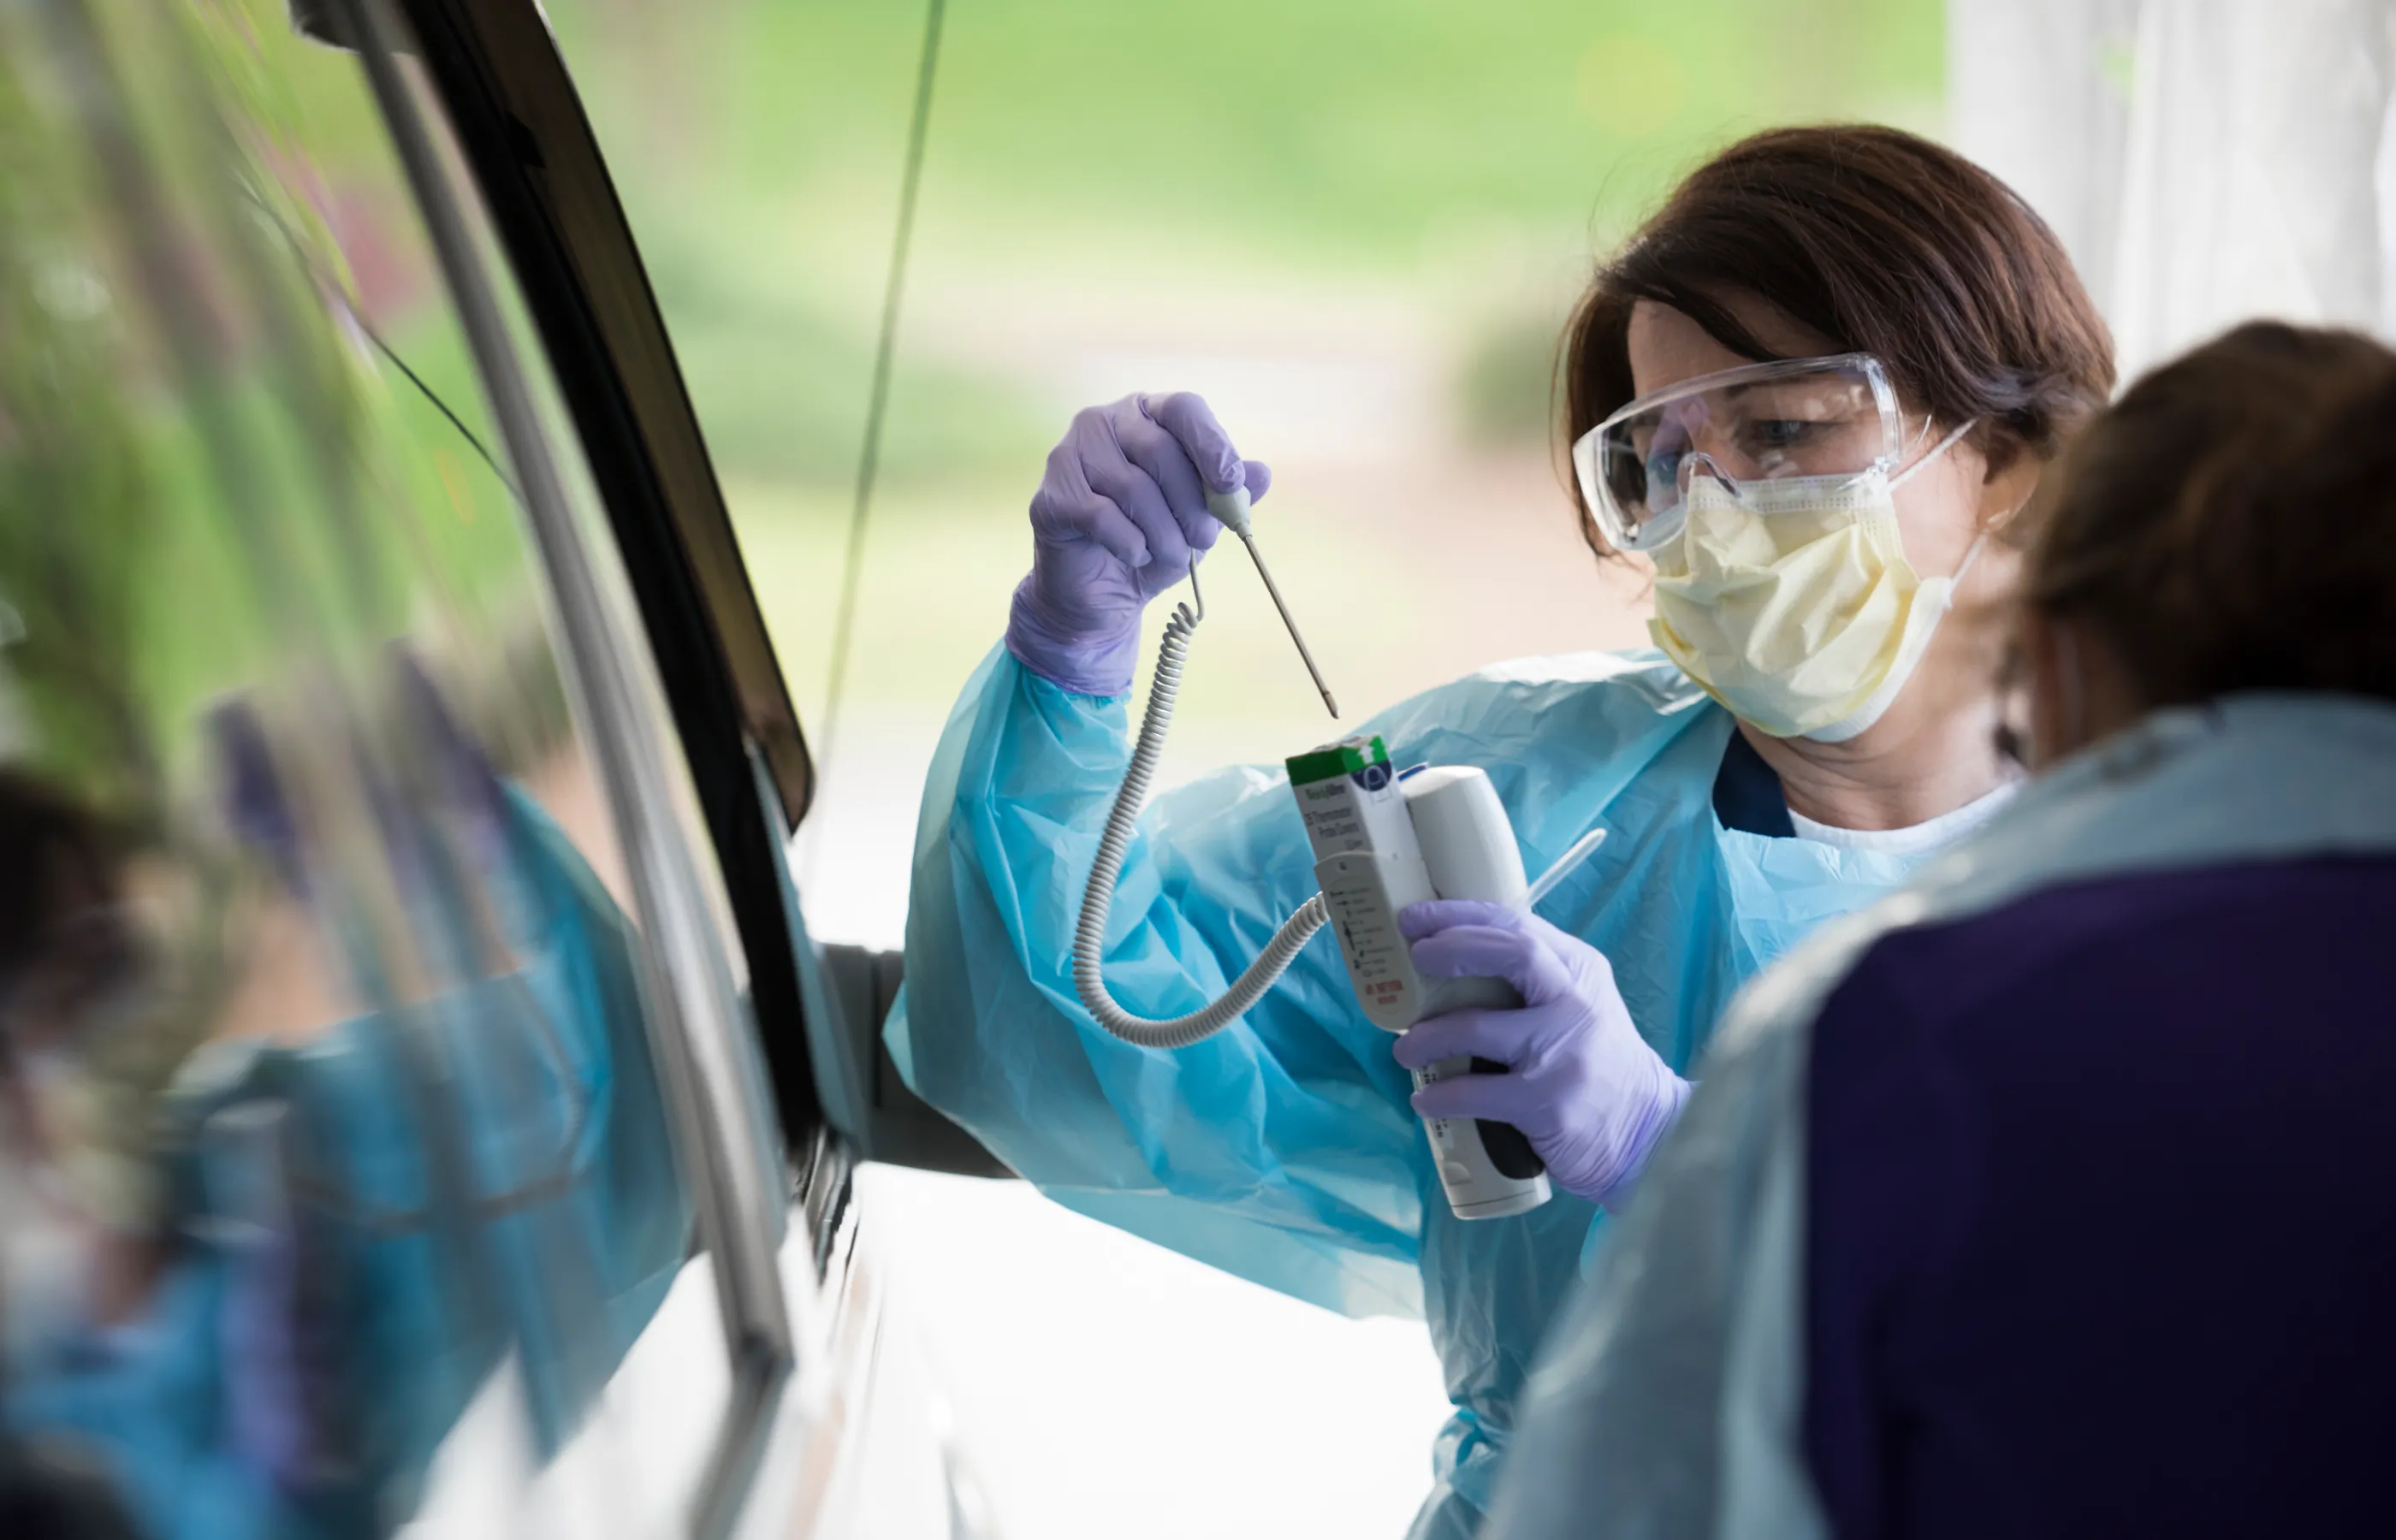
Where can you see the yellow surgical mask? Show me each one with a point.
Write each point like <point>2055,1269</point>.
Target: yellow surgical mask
<point>1791,602</point>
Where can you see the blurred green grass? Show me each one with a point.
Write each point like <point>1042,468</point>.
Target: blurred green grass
<point>1335,131</point>
<point>759,143</point>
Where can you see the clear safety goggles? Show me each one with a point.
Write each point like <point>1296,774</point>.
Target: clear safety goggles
<point>1835,417</point>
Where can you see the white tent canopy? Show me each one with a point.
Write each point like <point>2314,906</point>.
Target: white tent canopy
<point>2205,161</point>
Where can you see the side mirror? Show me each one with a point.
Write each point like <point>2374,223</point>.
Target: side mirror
<point>325,21</point>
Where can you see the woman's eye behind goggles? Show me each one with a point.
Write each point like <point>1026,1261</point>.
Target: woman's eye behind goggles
<point>1835,417</point>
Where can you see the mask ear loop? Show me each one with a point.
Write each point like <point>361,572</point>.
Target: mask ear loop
<point>1979,542</point>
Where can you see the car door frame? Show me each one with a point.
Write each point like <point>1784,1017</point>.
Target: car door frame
<point>541,173</point>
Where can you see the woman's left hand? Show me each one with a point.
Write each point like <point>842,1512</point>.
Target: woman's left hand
<point>1582,1085</point>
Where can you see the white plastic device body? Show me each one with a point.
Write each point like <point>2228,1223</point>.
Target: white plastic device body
<point>1381,842</point>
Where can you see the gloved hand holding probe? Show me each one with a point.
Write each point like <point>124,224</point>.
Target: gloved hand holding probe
<point>1120,517</point>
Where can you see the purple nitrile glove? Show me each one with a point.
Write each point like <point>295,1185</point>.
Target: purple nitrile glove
<point>1582,1085</point>
<point>1119,518</point>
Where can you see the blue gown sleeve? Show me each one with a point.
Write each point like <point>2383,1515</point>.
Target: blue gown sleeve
<point>1282,1149</point>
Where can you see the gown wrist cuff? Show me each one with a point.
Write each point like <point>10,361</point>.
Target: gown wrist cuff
<point>1082,664</point>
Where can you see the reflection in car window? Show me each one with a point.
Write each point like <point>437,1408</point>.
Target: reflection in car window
<point>329,1109</point>
<point>714,1058</point>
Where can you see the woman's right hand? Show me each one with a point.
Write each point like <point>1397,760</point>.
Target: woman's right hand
<point>1119,518</point>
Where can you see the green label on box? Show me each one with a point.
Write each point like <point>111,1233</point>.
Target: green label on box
<point>1340,758</point>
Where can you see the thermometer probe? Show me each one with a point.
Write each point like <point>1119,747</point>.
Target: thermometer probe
<point>1231,508</point>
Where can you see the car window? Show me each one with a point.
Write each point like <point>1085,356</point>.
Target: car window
<point>368,1014</point>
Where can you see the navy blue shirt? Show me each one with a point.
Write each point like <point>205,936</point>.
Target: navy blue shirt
<point>2101,1215</point>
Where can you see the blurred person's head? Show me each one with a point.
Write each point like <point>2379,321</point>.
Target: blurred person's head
<point>1814,242</point>
<point>66,945</point>
<point>2229,525</point>
<point>69,955</point>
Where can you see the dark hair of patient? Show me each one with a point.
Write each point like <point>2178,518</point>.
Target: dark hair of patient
<point>2231,524</point>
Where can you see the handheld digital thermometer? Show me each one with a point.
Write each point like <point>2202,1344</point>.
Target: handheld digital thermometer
<point>1382,842</point>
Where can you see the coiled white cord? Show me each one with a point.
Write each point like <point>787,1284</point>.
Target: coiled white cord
<point>1089,937</point>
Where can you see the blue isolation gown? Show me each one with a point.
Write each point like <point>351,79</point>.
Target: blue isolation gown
<point>1284,1150</point>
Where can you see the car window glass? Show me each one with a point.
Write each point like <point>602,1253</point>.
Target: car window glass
<point>342,1180</point>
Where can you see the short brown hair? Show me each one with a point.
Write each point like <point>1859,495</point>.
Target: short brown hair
<point>2231,524</point>
<point>1885,243</point>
